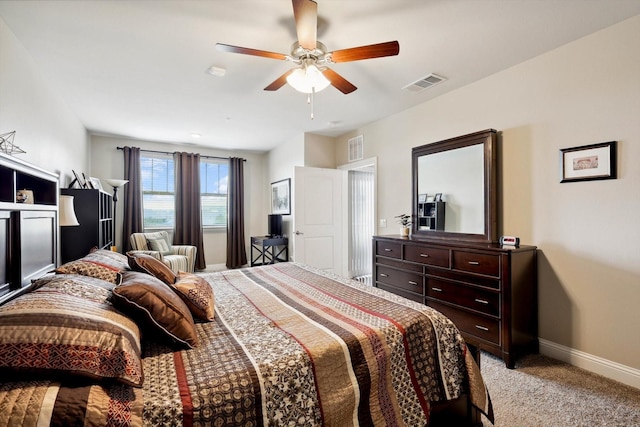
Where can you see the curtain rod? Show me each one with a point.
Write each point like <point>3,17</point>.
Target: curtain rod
<point>168,152</point>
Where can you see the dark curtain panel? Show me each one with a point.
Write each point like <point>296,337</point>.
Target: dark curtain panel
<point>188,228</point>
<point>236,251</point>
<point>133,216</point>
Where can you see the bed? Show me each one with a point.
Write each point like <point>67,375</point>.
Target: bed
<point>106,342</point>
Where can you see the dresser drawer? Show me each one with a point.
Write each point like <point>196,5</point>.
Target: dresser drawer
<point>427,255</point>
<point>466,296</point>
<point>400,279</point>
<point>399,264</point>
<point>388,249</point>
<point>476,325</point>
<point>476,263</point>
<point>402,293</point>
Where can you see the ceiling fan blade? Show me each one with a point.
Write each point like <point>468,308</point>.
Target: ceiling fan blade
<point>306,16</point>
<point>366,52</point>
<point>249,51</point>
<point>338,81</point>
<point>279,82</point>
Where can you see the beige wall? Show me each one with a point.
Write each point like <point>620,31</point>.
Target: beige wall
<point>587,232</point>
<point>108,162</point>
<point>319,151</point>
<point>52,136</point>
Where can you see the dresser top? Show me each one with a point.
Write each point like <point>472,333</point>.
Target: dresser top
<point>455,243</point>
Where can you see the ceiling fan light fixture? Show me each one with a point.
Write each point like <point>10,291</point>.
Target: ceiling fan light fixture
<point>307,79</point>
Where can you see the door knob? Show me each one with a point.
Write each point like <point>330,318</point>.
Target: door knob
<point>299,233</point>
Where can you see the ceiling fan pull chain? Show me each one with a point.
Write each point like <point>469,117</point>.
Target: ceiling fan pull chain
<point>310,100</point>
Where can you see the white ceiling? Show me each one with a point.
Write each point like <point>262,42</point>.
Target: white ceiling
<point>138,68</point>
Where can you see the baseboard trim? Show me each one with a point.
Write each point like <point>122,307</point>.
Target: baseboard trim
<point>598,365</point>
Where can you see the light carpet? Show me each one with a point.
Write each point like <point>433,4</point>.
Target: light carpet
<point>545,392</point>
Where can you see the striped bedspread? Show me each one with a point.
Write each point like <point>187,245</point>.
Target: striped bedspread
<point>289,346</point>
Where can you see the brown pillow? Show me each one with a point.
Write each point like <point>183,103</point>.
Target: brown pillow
<point>197,294</point>
<point>147,298</point>
<point>66,327</point>
<point>146,263</point>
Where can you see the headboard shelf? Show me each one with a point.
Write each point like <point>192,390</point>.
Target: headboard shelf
<point>28,226</point>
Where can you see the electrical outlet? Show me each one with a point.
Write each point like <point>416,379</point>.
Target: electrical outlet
<point>383,223</point>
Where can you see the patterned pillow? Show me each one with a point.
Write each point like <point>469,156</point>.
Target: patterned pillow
<point>77,285</point>
<point>55,330</point>
<point>153,302</point>
<point>91,268</point>
<point>197,294</point>
<point>159,245</point>
<point>146,263</point>
<point>111,258</point>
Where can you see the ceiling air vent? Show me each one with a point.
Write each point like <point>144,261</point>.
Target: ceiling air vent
<point>424,83</point>
<point>356,148</point>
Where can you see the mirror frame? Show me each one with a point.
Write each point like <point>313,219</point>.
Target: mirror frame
<point>489,139</point>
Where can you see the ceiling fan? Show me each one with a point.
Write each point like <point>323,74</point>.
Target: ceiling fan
<point>311,56</point>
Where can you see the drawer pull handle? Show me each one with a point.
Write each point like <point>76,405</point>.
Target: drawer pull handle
<point>388,250</point>
<point>482,301</point>
<point>424,255</point>
<point>411,282</point>
<point>384,275</point>
<point>474,263</point>
<point>436,289</point>
<point>482,328</point>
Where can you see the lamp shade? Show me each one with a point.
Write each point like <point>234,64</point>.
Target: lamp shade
<point>67,212</point>
<point>116,183</point>
<point>307,79</point>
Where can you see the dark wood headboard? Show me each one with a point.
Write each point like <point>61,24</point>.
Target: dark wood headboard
<point>29,228</point>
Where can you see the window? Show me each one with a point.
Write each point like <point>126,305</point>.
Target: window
<point>214,177</point>
<point>158,191</point>
<point>158,180</point>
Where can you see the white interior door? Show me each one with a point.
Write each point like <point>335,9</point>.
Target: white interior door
<point>319,213</point>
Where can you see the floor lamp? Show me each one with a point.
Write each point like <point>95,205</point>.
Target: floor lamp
<point>115,183</point>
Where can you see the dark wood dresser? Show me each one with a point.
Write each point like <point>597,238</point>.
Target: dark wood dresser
<point>488,291</point>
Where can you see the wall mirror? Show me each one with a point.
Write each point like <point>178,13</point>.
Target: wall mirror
<point>455,189</point>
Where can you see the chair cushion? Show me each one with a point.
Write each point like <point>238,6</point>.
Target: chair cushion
<point>155,304</point>
<point>160,245</point>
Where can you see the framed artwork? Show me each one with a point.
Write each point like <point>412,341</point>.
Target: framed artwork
<point>95,183</point>
<point>78,179</point>
<point>281,197</point>
<point>588,162</point>
<point>438,197</point>
<point>422,198</point>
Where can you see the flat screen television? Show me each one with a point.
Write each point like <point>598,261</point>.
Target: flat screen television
<point>275,225</point>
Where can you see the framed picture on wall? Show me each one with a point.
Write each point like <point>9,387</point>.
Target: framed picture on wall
<point>281,197</point>
<point>588,162</point>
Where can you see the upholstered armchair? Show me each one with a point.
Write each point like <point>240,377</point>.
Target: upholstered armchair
<point>158,245</point>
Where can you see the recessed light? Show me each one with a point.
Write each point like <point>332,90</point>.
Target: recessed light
<point>216,71</point>
<point>195,135</point>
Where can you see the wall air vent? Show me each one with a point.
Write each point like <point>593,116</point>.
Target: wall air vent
<point>424,83</point>
<point>356,148</point>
